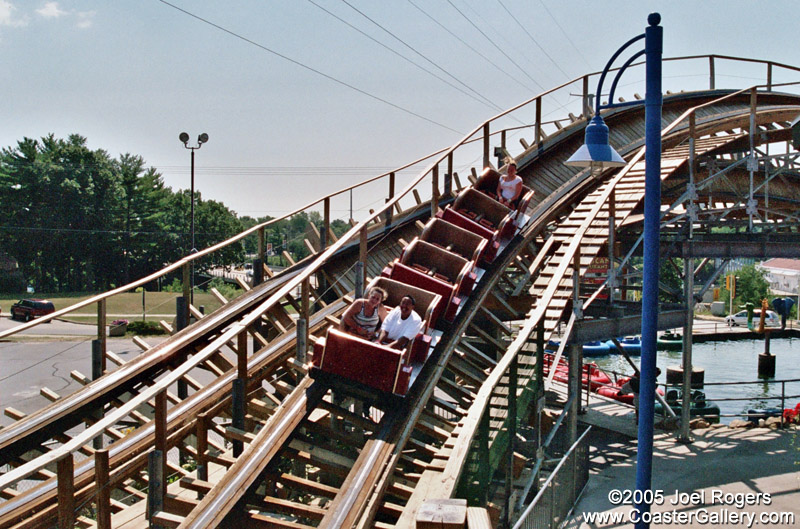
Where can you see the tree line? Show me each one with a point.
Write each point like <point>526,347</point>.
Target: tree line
<point>76,219</point>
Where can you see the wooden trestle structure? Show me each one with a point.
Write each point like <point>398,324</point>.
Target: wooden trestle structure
<point>267,446</point>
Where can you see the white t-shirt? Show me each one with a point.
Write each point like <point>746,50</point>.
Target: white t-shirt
<point>507,186</point>
<point>397,327</point>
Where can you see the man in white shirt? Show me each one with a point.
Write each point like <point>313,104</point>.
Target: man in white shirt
<point>401,325</point>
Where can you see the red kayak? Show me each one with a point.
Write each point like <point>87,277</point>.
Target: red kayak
<point>613,391</point>
<point>593,378</point>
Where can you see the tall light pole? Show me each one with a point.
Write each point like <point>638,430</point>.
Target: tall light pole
<point>201,139</point>
<point>596,152</point>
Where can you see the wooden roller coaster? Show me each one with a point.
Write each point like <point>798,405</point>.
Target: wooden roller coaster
<point>375,431</point>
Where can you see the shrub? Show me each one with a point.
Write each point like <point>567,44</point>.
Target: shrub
<point>145,328</point>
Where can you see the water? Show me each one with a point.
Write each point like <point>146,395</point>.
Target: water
<point>731,361</point>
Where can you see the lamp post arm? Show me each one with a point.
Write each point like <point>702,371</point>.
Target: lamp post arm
<point>608,67</point>
<point>619,74</point>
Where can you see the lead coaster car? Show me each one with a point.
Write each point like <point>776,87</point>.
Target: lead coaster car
<point>351,358</point>
<point>487,184</point>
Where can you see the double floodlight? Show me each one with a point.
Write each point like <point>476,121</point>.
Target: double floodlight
<point>201,139</point>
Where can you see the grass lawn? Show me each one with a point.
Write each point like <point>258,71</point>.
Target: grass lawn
<point>126,305</point>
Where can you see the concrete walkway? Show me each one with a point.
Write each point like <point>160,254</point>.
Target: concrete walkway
<point>726,478</point>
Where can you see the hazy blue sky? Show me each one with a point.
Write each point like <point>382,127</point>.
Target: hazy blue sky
<point>131,75</point>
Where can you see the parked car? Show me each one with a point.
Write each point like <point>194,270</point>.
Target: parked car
<point>27,309</point>
<point>740,318</point>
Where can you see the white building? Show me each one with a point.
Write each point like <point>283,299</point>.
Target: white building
<point>783,275</point>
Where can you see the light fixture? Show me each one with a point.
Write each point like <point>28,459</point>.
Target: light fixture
<point>596,152</point>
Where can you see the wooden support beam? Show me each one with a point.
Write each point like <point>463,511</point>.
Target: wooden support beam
<point>66,491</point>
<point>102,489</point>
<point>500,324</point>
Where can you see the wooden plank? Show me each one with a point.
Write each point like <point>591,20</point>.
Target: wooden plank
<point>165,519</point>
<point>258,521</point>
<point>290,507</point>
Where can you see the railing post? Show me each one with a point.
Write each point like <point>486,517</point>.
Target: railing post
<point>157,459</point>
<point>537,131</point>
<point>261,246</point>
<point>161,427</point>
<point>155,486</point>
<point>238,403</point>
<point>435,190</point>
<point>612,227</point>
<point>66,492</point>
<point>187,290</point>
<point>201,434</point>
<point>103,489</point>
<point>98,366</point>
<point>181,321</point>
<point>390,211</point>
<point>484,472</point>
<point>302,322</point>
<point>769,77</point>
<point>783,394</point>
<point>711,75</point>
<point>486,160</point>
<point>448,178</point>
<point>101,332</point>
<point>326,226</point>
<point>587,105</point>
<point>361,265</point>
<point>574,389</point>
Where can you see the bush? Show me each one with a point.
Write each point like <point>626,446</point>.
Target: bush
<point>145,328</point>
<point>226,289</point>
<point>175,286</point>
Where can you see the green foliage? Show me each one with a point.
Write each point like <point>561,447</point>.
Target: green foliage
<point>226,289</point>
<point>77,219</point>
<point>145,328</point>
<point>175,286</point>
<point>751,287</point>
<point>670,280</point>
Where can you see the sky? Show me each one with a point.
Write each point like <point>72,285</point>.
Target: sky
<point>304,97</point>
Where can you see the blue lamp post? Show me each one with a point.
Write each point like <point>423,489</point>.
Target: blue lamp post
<point>596,152</point>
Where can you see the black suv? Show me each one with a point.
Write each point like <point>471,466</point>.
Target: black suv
<point>27,309</point>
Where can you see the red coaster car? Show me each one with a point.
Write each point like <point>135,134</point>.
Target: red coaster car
<point>487,183</point>
<point>372,364</point>
<point>435,269</point>
<point>476,212</point>
<point>452,238</point>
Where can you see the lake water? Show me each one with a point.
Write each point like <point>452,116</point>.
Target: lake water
<point>731,361</point>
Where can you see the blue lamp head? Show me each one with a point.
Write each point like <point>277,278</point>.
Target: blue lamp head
<point>596,151</point>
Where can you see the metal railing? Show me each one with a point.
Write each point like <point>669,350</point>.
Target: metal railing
<point>561,490</point>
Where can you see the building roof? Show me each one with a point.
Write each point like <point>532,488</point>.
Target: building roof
<point>782,263</point>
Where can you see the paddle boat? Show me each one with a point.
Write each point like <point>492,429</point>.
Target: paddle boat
<point>670,341</point>
<point>698,407</point>
<point>630,344</point>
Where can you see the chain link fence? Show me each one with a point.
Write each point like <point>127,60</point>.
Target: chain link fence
<point>561,489</point>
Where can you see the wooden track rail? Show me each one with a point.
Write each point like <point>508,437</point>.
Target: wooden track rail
<point>309,456</point>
